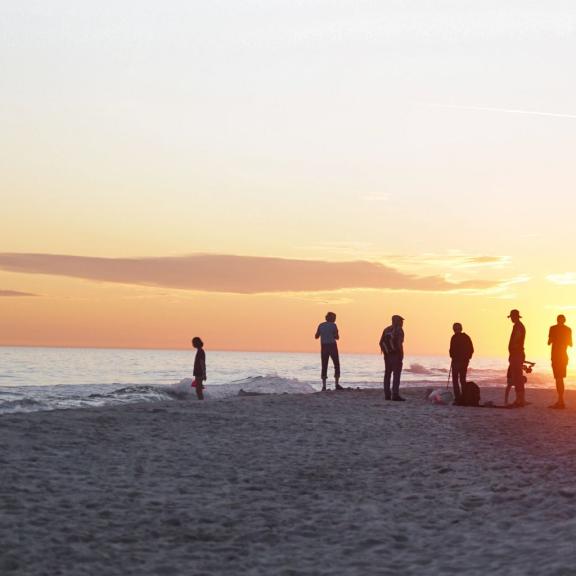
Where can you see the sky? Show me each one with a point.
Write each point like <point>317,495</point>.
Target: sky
<point>235,169</point>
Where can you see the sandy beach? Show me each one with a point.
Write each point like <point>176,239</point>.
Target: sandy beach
<point>335,483</point>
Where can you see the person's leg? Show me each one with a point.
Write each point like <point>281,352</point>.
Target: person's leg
<point>462,372</point>
<point>520,394</point>
<point>455,377</point>
<point>559,370</point>
<point>507,394</point>
<point>199,390</point>
<point>397,371</point>
<point>508,384</point>
<point>387,377</point>
<point>517,375</point>
<point>336,360</point>
<point>560,390</point>
<point>324,356</point>
<point>463,375</point>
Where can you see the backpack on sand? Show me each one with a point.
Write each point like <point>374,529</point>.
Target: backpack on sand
<point>471,394</point>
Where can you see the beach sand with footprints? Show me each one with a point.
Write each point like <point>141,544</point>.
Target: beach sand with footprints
<point>333,483</point>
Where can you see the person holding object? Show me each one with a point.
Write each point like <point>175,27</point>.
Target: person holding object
<point>199,367</point>
<point>516,358</point>
<point>559,337</point>
<point>392,346</point>
<point>328,334</point>
<point>461,350</point>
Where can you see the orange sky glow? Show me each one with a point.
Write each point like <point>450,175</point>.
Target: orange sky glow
<point>236,172</point>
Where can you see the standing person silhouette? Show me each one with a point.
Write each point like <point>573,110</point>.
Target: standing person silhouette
<point>328,334</point>
<point>199,367</point>
<point>516,358</point>
<point>461,350</point>
<point>392,346</point>
<point>559,337</point>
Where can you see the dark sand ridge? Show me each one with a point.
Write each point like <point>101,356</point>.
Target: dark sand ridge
<point>337,483</point>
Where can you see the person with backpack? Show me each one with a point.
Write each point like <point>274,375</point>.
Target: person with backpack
<point>392,346</point>
<point>516,358</point>
<point>461,351</point>
<point>559,337</point>
<point>328,334</point>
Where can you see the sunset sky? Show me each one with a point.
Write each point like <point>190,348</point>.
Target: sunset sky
<point>236,168</point>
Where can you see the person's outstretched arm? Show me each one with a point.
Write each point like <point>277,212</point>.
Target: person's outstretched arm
<point>550,337</point>
<point>317,335</point>
<point>336,333</point>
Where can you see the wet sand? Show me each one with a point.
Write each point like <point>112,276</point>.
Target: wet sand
<point>335,483</point>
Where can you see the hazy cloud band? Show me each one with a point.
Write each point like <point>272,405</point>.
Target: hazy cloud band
<point>233,274</point>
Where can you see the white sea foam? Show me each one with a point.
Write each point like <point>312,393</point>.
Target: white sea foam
<point>49,379</point>
<point>68,397</point>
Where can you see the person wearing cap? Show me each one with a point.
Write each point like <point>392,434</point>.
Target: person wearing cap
<point>461,350</point>
<point>392,346</point>
<point>559,337</point>
<point>328,334</point>
<point>517,357</point>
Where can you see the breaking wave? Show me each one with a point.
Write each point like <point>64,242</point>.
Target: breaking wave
<point>70,397</point>
<point>66,397</point>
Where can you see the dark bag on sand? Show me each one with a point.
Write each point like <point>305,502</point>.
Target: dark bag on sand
<point>471,394</point>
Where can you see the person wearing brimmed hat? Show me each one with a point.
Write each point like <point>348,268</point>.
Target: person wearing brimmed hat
<point>517,357</point>
<point>392,346</point>
<point>559,337</point>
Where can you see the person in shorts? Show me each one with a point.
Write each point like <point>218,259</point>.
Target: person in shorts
<point>559,337</point>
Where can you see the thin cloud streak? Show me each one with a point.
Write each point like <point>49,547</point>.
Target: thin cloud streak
<point>235,274</point>
<point>15,294</point>
<point>449,261</point>
<point>502,110</point>
<point>565,279</point>
<point>486,262</point>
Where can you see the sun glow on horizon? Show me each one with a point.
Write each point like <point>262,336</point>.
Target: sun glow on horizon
<point>237,169</point>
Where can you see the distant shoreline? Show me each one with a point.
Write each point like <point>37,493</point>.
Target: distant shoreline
<point>241,351</point>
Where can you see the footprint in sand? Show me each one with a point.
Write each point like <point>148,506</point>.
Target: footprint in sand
<point>472,502</point>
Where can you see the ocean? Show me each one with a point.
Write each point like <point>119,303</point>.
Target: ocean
<point>33,379</point>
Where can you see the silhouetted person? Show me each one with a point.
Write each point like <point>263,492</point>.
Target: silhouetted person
<point>199,367</point>
<point>392,346</point>
<point>328,334</point>
<point>516,358</point>
<point>461,350</point>
<point>559,337</point>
